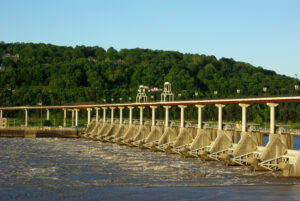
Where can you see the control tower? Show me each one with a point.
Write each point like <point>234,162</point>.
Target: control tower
<point>167,94</point>
<point>141,96</point>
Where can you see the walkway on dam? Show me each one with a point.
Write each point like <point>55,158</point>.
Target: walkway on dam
<point>243,102</point>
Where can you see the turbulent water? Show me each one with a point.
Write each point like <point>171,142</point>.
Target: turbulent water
<point>79,169</point>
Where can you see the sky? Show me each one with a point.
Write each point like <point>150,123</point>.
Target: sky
<point>260,32</point>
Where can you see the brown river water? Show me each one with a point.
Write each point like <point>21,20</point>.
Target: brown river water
<point>80,169</point>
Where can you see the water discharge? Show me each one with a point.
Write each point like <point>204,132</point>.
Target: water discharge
<point>76,168</point>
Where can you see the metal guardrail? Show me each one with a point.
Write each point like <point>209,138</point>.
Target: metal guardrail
<point>275,99</point>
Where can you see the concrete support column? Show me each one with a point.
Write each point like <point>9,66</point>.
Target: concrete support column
<point>65,117</point>
<point>141,115</point>
<point>200,115</point>
<point>130,115</point>
<point>73,112</point>
<point>97,114</point>
<point>1,114</point>
<point>220,120</point>
<point>182,115</point>
<point>244,116</point>
<point>272,116</point>
<point>153,114</point>
<point>76,117</point>
<point>121,114</point>
<point>104,114</point>
<point>112,114</point>
<point>48,114</point>
<point>89,115</point>
<point>167,115</point>
<point>26,117</point>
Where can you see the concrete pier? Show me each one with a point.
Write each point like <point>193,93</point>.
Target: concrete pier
<point>97,114</point>
<point>272,116</point>
<point>142,115</point>
<point>167,115</point>
<point>112,114</point>
<point>73,112</point>
<point>76,117</point>
<point>220,116</point>
<point>89,115</point>
<point>185,137</point>
<point>130,114</point>
<point>65,117</point>
<point>102,131</point>
<point>48,115</point>
<point>153,137</point>
<point>104,114</point>
<point>169,136</point>
<point>200,115</point>
<point>121,114</point>
<point>106,134</point>
<point>94,132</point>
<point>118,133</point>
<point>153,114</point>
<point>182,115</point>
<point>90,128</point>
<point>26,117</point>
<point>244,116</point>
<point>129,133</point>
<point>142,132</point>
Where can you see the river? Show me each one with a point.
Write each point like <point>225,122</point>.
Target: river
<point>80,169</point>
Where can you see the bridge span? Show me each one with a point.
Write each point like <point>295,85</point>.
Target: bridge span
<point>220,103</point>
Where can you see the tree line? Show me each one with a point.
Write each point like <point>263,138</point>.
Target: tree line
<point>60,75</point>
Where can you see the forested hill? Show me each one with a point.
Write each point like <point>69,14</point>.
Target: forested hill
<point>57,75</point>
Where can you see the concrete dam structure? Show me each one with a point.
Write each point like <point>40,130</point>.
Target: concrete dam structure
<point>206,144</point>
<point>228,145</point>
<point>219,144</point>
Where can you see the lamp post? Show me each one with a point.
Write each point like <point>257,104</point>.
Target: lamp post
<point>265,90</point>
<point>238,91</point>
<point>41,104</point>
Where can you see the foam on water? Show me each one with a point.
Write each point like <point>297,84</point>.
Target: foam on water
<point>65,163</point>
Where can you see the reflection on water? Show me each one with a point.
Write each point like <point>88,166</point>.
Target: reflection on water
<point>296,142</point>
<point>265,140</point>
<point>73,168</point>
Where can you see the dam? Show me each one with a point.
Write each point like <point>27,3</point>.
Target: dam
<point>231,146</point>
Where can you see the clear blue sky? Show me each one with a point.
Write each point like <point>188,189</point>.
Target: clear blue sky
<point>262,32</point>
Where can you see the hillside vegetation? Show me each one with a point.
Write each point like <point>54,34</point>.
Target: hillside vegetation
<point>58,75</point>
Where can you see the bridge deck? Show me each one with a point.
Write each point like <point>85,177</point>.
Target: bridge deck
<point>184,102</point>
